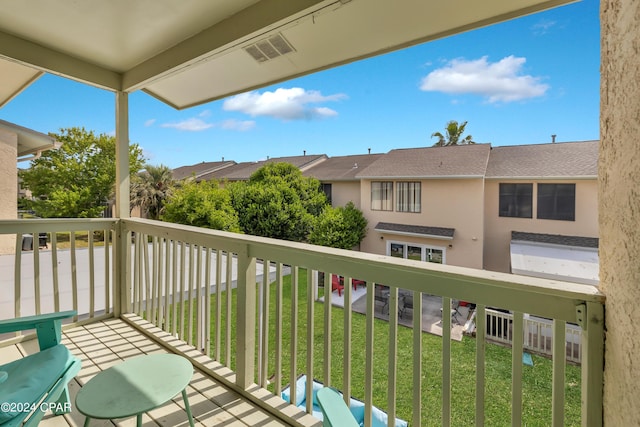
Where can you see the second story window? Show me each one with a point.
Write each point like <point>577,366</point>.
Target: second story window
<point>382,195</point>
<point>326,189</point>
<point>557,201</point>
<point>408,197</point>
<point>516,200</point>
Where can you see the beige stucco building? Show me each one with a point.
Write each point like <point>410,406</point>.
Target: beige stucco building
<point>426,203</point>
<point>619,206</point>
<point>525,188</point>
<point>508,209</point>
<point>16,144</point>
<point>527,209</point>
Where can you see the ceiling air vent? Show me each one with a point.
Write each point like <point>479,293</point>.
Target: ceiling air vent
<point>269,48</point>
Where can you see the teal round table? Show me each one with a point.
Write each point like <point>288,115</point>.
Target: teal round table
<point>134,387</point>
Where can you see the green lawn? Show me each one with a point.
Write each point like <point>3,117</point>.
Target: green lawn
<point>536,379</point>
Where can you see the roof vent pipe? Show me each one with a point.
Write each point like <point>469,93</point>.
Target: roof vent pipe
<point>369,150</point>
<point>304,152</point>
<point>553,139</point>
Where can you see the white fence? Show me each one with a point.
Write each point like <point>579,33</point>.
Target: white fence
<point>538,334</point>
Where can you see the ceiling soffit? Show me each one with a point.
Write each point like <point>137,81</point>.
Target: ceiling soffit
<point>193,51</point>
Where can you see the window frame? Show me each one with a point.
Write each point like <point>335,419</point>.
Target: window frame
<point>408,199</point>
<point>383,188</point>
<point>515,208</point>
<point>561,196</point>
<point>427,254</point>
<point>327,189</point>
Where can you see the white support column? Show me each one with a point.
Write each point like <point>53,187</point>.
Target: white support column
<point>122,155</point>
<point>246,320</point>
<point>122,300</point>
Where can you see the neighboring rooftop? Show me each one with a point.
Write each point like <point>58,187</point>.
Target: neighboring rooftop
<point>556,239</point>
<point>342,168</point>
<point>243,171</point>
<point>452,161</point>
<point>551,160</point>
<point>200,169</point>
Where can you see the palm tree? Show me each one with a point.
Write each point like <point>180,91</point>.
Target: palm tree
<point>454,132</point>
<point>150,188</point>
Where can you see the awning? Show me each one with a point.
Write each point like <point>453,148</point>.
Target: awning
<point>555,257</point>
<point>415,230</point>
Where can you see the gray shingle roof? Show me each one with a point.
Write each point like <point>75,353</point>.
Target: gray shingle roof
<point>565,159</point>
<point>556,239</point>
<point>341,168</point>
<point>453,161</point>
<point>416,229</point>
<point>243,171</point>
<point>199,168</point>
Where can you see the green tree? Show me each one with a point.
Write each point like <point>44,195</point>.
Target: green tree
<point>202,204</point>
<point>151,188</point>
<point>341,227</point>
<point>76,180</point>
<point>278,201</point>
<point>453,135</point>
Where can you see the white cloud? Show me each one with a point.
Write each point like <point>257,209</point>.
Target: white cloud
<point>543,27</point>
<point>205,113</point>
<point>239,125</point>
<point>191,125</point>
<point>499,81</point>
<point>149,122</point>
<point>284,104</point>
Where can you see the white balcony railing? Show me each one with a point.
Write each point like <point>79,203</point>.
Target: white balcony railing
<point>538,334</point>
<point>251,304</point>
<point>74,271</point>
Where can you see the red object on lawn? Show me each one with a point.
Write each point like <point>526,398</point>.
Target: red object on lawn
<point>336,283</point>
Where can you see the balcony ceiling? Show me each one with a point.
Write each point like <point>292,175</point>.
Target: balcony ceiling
<point>189,52</point>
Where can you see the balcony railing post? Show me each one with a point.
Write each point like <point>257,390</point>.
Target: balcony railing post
<point>592,364</point>
<point>246,320</point>
<point>122,289</point>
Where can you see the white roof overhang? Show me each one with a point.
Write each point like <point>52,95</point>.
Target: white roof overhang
<point>189,52</point>
<point>29,141</point>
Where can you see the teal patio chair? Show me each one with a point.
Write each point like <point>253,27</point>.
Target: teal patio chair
<point>37,382</point>
<point>335,413</point>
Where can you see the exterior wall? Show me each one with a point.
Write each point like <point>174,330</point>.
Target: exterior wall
<point>344,192</point>
<point>619,207</point>
<point>8,186</point>
<point>498,229</point>
<point>451,203</point>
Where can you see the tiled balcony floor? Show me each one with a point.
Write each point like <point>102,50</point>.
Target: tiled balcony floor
<point>102,344</point>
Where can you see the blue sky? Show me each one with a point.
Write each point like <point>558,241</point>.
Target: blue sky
<point>515,83</point>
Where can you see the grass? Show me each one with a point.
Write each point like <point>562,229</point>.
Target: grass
<point>537,380</point>
<point>81,239</point>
